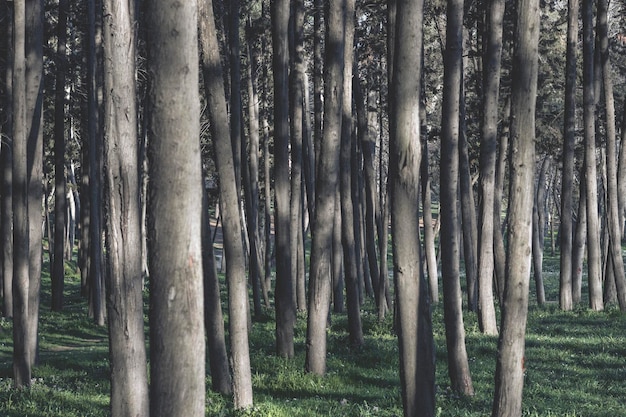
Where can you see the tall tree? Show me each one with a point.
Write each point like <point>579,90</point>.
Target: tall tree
<point>229,200</point>
<point>346,178</point>
<point>591,187</point>
<point>129,380</point>
<point>284,300</point>
<point>539,226</point>
<point>34,123</point>
<point>58,265</point>
<point>492,62</point>
<point>325,190</point>
<point>177,340</point>
<point>614,227</point>
<point>509,377</point>
<point>569,141</point>
<point>458,365</point>
<point>415,338</point>
<point>21,354</point>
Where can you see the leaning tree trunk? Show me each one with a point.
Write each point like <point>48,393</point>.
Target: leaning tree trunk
<point>415,337</point>
<point>458,365</point>
<point>326,191</point>
<point>569,142</point>
<point>488,156</point>
<point>129,379</point>
<point>177,340</point>
<point>509,380</point>
<point>235,273</point>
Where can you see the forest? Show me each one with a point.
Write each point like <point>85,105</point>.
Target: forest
<point>312,207</point>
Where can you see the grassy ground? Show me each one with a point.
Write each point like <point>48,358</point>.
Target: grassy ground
<point>575,366</point>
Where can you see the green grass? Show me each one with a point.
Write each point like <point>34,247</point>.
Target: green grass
<point>575,366</point>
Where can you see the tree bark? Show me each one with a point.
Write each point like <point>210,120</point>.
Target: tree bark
<point>488,156</point>
<point>593,226</point>
<point>177,340</point>
<point>326,186</point>
<point>567,177</point>
<point>509,378</point>
<point>539,224</point>
<point>60,207</point>
<point>284,296</point>
<point>415,336</point>
<point>458,365</point>
<point>499,250</point>
<point>235,273</point>
<point>129,379</point>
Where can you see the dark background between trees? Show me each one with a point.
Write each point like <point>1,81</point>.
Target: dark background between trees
<point>477,134</point>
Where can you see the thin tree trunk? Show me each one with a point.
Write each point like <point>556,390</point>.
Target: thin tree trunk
<point>579,245</point>
<point>60,207</point>
<point>538,221</point>
<point>488,157</point>
<point>499,250</point>
<point>509,379</point>
<point>458,365</point>
<point>337,258</point>
<point>569,142</point>
<point>326,191</point>
<point>593,227</point>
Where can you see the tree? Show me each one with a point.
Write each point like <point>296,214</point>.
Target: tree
<point>415,338</point>
<point>129,379</point>
<point>235,273</point>
<point>488,155</point>
<point>345,186</point>
<point>60,210</point>
<point>21,353</point>
<point>326,190</point>
<point>539,225</point>
<point>285,305</point>
<point>509,377</point>
<point>591,187</point>
<point>458,365</point>
<point>567,176</point>
<point>177,339</point>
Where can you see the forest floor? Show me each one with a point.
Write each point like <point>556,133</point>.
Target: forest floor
<point>575,366</point>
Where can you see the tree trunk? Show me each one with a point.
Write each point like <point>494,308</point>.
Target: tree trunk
<point>326,186</point>
<point>509,378</point>
<point>458,365</point>
<point>57,275</point>
<point>284,296</point>
<point>177,340</point>
<point>348,231</point>
<point>129,380</point>
<point>613,216</point>
<point>318,79</point>
<point>539,222</point>
<point>21,353</point>
<point>34,122</point>
<point>337,258</point>
<point>415,337</point>
<point>235,273</point>
<point>488,156</point>
<point>580,239</point>
<point>569,142</point>
<point>593,227</point>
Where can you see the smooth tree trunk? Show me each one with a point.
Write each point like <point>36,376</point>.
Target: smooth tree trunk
<point>458,365</point>
<point>613,225</point>
<point>579,245</point>
<point>348,231</point>
<point>415,337</point>
<point>509,377</point>
<point>594,256</point>
<point>284,293</point>
<point>57,275</point>
<point>326,191</point>
<point>21,353</point>
<point>492,62</point>
<point>127,349</point>
<point>229,201</point>
<point>539,225</point>
<point>567,176</point>
<point>499,249</point>
<point>177,340</point>
<point>34,123</point>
